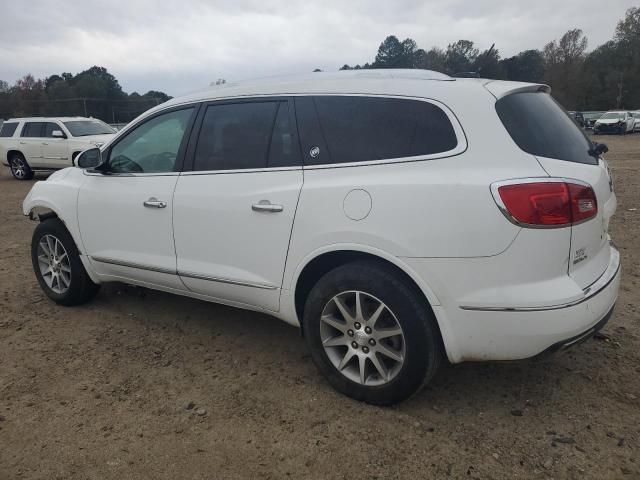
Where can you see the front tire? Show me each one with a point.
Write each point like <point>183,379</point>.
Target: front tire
<point>20,169</point>
<point>371,333</point>
<point>57,265</point>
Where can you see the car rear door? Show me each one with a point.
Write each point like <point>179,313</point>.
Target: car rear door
<point>30,143</point>
<point>234,211</point>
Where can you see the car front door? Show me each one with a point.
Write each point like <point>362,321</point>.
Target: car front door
<point>55,150</point>
<point>30,143</point>
<point>234,211</point>
<point>125,210</point>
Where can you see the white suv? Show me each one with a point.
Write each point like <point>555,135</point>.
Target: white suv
<point>398,217</point>
<point>29,144</point>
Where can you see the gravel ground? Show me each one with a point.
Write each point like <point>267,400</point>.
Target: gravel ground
<point>140,384</point>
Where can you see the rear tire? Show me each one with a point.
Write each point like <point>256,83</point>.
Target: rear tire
<point>57,265</point>
<point>380,359</point>
<point>20,169</point>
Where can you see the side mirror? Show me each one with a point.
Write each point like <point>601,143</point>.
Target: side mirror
<point>91,158</point>
<point>58,134</point>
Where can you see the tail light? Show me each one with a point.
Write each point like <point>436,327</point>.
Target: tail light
<point>547,204</point>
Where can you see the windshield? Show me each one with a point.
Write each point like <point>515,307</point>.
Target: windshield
<point>612,116</point>
<point>82,128</point>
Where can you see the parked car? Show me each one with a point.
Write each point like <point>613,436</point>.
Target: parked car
<point>398,217</point>
<point>620,122</point>
<point>590,118</point>
<point>578,118</point>
<point>30,144</point>
<point>636,121</point>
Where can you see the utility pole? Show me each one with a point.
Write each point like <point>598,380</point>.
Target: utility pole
<point>619,99</point>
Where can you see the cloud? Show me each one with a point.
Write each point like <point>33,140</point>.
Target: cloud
<point>182,46</point>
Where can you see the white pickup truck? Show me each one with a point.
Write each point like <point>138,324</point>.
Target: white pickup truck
<point>38,143</point>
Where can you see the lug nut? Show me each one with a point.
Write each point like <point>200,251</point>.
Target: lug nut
<point>357,325</point>
<point>354,344</point>
<point>350,333</point>
<point>367,330</point>
<point>372,342</point>
<point>365,349</point>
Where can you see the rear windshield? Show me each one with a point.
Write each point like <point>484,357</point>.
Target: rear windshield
<point>8,129</point>
<point>541,127</point>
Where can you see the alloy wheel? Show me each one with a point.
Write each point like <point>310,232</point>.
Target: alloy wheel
<point>362,338</point>
<point>18,167</point>
<point>54,264</point>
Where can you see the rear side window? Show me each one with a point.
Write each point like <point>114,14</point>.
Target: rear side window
<point>361,129</point>
<point>541,127</point>
<point>8,129</point>
<point>245,135</point>
<point>32,129</point>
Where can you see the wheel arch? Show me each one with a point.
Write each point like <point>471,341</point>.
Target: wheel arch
<point>14,151</point>
<point>315,265</point>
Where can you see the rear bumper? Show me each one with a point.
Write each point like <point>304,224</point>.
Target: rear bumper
<point>512,333</point>
<point>570,342</point>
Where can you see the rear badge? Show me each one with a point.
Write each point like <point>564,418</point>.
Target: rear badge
<point>314,152</point>
<point>580,255</point>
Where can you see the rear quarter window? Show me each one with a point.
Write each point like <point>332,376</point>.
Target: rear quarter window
<point>541,127</point>
<point>8,129</point>
<point>361,129</point>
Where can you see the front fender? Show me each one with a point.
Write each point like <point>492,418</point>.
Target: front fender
<point>57,196</point>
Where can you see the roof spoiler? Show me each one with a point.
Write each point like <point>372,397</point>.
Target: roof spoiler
<point>500,89</point>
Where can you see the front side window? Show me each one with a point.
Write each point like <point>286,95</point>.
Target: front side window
<point>361,129</point>
<point>32,129</point>
<point>49,128</point>
<point>83,128</point>
<point>8,129</point>
<point>152,147</point>
<point>245,135</point>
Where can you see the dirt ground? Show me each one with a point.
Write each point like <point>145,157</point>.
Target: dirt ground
<point>141,384</point>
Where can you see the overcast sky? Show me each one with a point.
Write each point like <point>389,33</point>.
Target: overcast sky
<point>181,46</point>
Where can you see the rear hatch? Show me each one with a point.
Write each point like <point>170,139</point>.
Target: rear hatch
<point>541,127</point>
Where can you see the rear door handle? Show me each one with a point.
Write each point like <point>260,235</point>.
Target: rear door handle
<point>153,202</point>
<point>266,206</point>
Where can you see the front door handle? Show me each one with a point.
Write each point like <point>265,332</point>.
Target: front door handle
<point>266,206</point>
<point>153,202</point>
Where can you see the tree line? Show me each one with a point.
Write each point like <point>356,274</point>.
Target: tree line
<point>94,92</point>
<point>604,78</point>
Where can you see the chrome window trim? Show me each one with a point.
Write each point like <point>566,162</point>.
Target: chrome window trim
<point>516,181</point>
<point>460,148</point>
<point>241,170</point>
<point>129,174</point>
